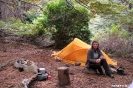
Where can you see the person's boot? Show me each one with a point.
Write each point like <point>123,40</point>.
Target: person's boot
<point>102,74</point>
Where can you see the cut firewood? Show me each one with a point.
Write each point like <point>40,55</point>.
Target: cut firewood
<point>63,76</point>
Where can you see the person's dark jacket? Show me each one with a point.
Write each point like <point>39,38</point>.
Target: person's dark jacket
<point>90,56</point>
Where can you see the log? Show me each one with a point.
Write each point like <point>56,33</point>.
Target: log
<point>63,76</point>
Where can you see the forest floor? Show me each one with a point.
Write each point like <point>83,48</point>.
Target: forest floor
<point>10,76</point>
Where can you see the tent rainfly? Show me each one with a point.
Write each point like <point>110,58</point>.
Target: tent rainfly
<point>76,51</point>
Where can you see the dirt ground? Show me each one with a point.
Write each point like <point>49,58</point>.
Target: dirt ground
<point>10,76</point>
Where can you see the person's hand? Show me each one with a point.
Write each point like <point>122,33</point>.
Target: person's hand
<point>98,60</point>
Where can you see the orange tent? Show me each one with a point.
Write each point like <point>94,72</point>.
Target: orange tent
<point>76,51</point>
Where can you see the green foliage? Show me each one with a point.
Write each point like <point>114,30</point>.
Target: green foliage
<point>115,30</point>
<point>65,22</point>
<point>131,1</point>
<point>40,32</point>
<point>114,41</point>
<point>2,23</point>
<point>112,31</point>
<point>126,19</point>
<point>106,8</point>
<point>102,6</point>
<point>16,27</point>
<point>29,17</point>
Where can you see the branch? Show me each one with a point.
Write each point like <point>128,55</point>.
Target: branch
<point>6,2</point>
<point>21,1</point>
<point>74,7</point>
<point>82,4</point>
<point>32,4</point>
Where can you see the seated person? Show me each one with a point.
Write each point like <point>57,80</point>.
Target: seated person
<point>95,60</point>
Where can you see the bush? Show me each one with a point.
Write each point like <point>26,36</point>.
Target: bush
<point>116,42</point>
<point>65,22</point>
<point>29,17</point>
<point>16,27</point>
<point>2,23</point>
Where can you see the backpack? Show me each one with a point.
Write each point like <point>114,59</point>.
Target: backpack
<point>121,71</point>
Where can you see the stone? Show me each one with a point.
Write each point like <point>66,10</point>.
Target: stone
<point>58,59</point>
<point>32,67</point>
<point>77,64</point>
<point>67,65</point>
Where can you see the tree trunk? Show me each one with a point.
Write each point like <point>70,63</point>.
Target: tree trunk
<point>63,76</point>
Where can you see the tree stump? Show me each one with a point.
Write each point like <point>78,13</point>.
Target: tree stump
<point>63,76</point>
